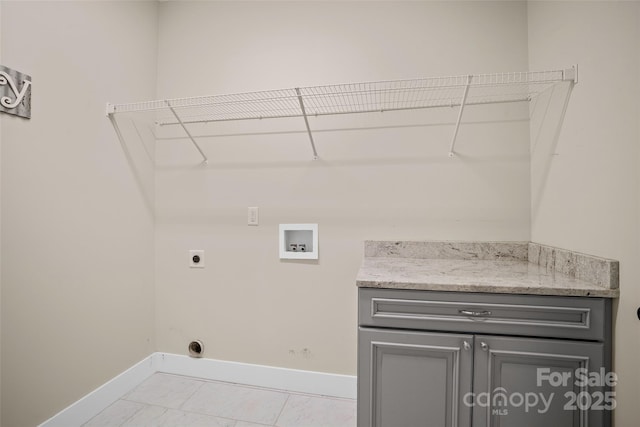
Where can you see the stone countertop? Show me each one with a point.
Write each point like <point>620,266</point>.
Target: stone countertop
<point>494,267</point>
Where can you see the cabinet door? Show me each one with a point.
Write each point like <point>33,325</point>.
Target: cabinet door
<point>526,382</point>
<point>413,379</point>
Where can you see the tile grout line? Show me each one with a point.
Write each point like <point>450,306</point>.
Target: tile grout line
<point>237,385</point>
<point>275,424</point>
<point>257,387</point>
<point>134,414</point>
<point>202,383</point>
<point>181,407</point>
<point>233,421</point>
<point>146,406</point>
<point>166,408</point>
<point>122,399</point>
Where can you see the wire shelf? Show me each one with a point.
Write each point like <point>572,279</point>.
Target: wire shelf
<point>352,98</point>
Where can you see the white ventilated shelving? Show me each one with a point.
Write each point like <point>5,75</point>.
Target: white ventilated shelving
<point>349,98</point>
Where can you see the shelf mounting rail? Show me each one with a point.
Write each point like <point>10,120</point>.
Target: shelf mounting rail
<point>349,98</point>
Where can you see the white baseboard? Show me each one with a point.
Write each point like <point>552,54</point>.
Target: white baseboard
<point>300,381</point>
<point>333,385</point>
<point>95,402</point>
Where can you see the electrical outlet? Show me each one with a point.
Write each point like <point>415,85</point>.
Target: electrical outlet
<point>252,215</point>
<point>196,258</point>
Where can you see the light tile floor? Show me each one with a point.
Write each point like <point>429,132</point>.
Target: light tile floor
<point>175,401</point>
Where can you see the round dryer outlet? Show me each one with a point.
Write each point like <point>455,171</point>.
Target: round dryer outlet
<point>196,348</point>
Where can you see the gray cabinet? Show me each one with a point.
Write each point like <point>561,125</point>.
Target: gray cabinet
<point>525,378</point>
<point>411,379</point>
<point>439,359</point>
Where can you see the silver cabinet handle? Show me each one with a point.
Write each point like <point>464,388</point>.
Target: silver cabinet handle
<point>484,346</point>
<point>475,313</point>
<point>466,345</point>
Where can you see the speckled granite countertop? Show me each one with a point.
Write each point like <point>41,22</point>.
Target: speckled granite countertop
<point>496,267</point>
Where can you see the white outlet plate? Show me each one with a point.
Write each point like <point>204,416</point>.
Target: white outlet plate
<point>252,215</point>
<point>199,253</point>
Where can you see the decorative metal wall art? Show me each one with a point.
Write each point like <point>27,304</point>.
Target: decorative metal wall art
<point>15,92</point>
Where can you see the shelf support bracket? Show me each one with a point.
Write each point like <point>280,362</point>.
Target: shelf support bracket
<point>462,103</point>
<point>571,74</point>
<point>306,122</point>
<point>173,111</point>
